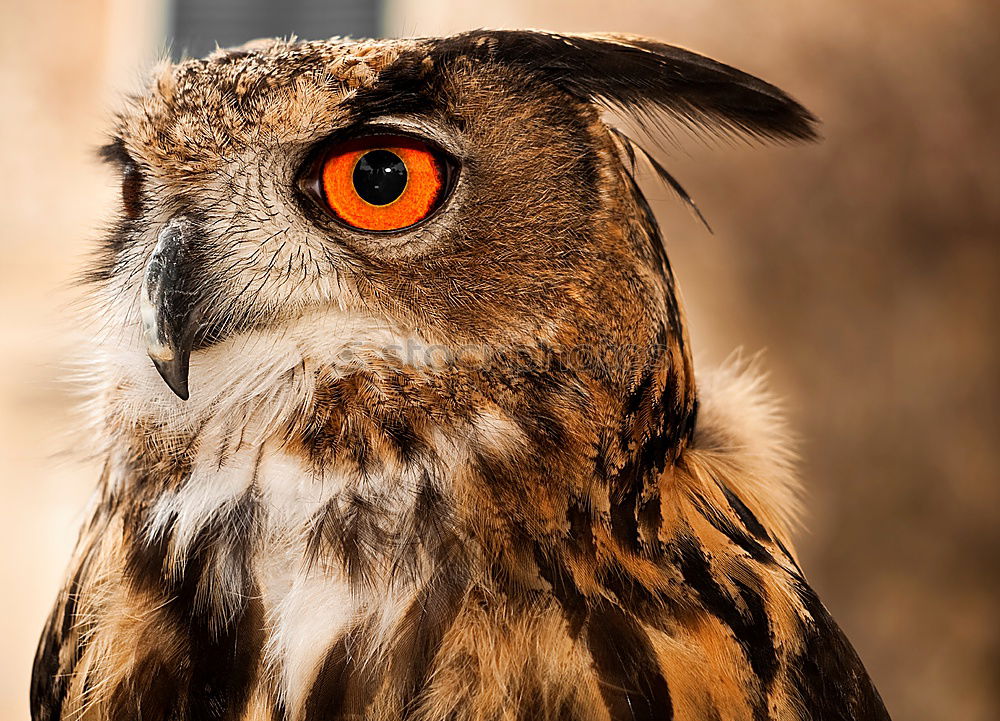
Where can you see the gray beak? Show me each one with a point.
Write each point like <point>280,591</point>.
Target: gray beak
<point>170,307</point>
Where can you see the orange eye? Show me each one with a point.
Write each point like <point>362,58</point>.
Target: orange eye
<point>382,182</point>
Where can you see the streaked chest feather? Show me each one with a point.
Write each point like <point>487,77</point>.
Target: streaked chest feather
<point>360,566</point>
<point>319,549</point>
<point>383,540</point>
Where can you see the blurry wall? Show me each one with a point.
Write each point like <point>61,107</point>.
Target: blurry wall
<point>59,66</point>
<point>866,266</point>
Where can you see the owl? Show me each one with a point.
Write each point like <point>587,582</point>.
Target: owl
<point>398,412</point>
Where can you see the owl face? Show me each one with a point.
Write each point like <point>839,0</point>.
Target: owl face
<point>462,191</point>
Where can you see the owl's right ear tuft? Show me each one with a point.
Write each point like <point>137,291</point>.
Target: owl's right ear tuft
<point>636,75</point>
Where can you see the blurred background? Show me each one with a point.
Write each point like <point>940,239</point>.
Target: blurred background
<point>867,266</point>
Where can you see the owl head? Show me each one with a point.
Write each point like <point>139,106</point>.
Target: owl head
<point>411,203</point>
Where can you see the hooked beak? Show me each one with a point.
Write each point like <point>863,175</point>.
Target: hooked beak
<point>170,306</point>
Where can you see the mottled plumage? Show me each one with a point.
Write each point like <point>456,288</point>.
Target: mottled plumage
<point>461,471</point>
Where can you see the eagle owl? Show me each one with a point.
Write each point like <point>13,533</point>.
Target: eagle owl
<point>398,412</point>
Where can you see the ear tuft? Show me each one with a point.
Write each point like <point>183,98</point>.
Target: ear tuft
<point>637,75</point>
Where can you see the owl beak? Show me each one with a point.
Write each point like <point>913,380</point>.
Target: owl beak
<point>169,306</point>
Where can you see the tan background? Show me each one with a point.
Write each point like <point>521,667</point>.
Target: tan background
<point>867,266</point>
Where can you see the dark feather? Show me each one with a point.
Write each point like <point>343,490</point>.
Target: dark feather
<point>832,682</point>
<point>637,75</point>
<point>632,685</point>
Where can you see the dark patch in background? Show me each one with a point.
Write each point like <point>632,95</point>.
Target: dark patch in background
<point>197,25</point>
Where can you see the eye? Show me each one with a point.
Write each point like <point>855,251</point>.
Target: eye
<point>380,182</point>
<point>131,177</point>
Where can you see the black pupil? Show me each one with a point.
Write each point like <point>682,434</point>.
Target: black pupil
<point>380,177</point>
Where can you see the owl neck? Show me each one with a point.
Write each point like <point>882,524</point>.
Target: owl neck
<point>497,455</point>
<point>366,523</point>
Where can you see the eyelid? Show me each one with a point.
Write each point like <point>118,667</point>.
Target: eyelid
<point>430,133</point>
<point>131,176</point>
<point>115,154</point>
